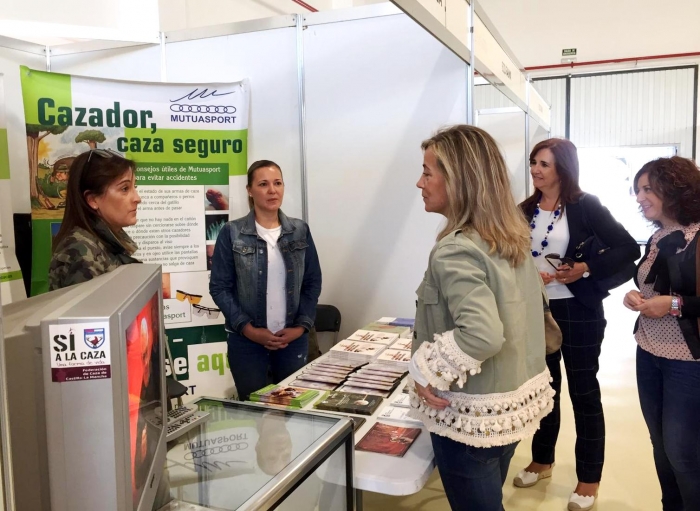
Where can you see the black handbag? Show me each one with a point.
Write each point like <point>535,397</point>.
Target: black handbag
<point>591,248</point>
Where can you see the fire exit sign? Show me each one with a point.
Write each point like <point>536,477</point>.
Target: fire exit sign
<point>568,52</point>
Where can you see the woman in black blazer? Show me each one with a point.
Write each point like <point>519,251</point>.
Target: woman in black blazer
<point>562,221</point>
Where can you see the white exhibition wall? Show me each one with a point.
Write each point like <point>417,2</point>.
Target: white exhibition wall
<point>375,88</point>
<point>10,60</point>
<point>137,63</point>
<point>507,127</point>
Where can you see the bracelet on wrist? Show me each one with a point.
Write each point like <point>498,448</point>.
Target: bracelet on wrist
<point>675,309</point>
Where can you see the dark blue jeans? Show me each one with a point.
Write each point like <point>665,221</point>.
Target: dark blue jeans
<point>473,477</point>
<point>250,362</point>
<point>669,392</point>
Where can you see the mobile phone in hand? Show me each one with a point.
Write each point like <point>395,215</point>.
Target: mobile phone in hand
<point>556,261</point>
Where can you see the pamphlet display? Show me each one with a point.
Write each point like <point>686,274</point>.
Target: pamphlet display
<point>292,397</point>
<point>361,404</point>
<point>190,144</point>
<point>387,439</point>
<point>374,337</point>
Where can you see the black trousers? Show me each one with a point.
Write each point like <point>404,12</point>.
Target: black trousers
<point>582,331</point>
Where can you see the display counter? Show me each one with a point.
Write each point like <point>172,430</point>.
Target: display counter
<point>381,473</point>
<point>252,457</point>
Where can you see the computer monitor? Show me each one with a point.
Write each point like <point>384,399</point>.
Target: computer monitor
<point>85,373</point>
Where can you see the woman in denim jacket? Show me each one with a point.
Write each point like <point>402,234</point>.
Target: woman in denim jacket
<point>266,279</point>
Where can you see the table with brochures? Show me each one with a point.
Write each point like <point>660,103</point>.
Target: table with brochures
<point>254,457</point>
<point>378,472</point>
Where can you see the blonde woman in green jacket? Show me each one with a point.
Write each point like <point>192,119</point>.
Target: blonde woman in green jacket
<point>481,382</point>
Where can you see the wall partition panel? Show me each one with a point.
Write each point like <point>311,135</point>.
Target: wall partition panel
<point>634,108</point>
<point>375,88</point>
<point>507,127</point>
<point>553,91</point>
<point>138,63</point>
<point>269,60</point>
<point>488,96</point>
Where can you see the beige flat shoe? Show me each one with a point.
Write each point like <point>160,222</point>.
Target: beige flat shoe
<point>581,503</point>
<point>525,479</point>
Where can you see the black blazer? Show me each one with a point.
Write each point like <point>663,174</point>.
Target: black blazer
<point>682,276</point>
<point>580,216</point>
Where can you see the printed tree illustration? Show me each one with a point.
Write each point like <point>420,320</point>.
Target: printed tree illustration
<point>91,138</point>
<point>35,133</point>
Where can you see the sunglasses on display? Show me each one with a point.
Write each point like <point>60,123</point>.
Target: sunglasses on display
<point>556,261</point>
<point>193,299</point>
<point>198,310</point>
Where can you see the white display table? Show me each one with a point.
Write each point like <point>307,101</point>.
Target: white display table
<point>381,473</point>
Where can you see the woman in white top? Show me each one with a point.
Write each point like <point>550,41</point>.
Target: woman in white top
<point>266,279</point>
<point>564,220</point>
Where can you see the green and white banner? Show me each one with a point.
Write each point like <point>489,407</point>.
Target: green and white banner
<point>11,283</point>
<point>190,143</point>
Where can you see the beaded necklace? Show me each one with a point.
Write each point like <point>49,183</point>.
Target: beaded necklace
<point>550,227</point>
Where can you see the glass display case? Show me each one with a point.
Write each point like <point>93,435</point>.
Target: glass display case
<point>254,457</point>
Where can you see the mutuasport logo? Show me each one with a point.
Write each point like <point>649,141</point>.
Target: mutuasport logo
<point>191,109</point>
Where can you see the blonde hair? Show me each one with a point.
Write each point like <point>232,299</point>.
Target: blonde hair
<point>478,191</point>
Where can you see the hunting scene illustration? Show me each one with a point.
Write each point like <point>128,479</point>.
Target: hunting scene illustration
<point>51,151</point>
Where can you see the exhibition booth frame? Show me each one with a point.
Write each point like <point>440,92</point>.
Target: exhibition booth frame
<point>341,100</point>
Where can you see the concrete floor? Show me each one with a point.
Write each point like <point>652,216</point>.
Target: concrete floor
<point>629,478</point>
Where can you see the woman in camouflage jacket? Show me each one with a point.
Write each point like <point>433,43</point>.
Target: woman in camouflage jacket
<point>101,200</point>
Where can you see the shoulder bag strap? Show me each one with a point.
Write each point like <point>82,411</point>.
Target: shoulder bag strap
<point>584,216</point>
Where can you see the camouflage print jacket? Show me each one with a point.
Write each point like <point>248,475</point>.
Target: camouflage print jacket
<point>82,256</point>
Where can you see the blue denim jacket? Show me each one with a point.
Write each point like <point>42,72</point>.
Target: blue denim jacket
<point>238,281</point>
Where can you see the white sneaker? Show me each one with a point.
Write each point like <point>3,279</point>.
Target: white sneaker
<point>580,503</point>
<point>525,479</point>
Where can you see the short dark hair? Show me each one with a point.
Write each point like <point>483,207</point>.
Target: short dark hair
<point>566,163</point>
<point>251,172</point>
<point>676,181</point>
<point>93,176</point>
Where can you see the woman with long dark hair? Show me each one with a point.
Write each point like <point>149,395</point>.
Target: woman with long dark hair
<point>101,199</point>
<point>563,221</point>
<point>668,351</point>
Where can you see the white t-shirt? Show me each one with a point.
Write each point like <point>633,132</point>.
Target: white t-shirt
<point>558,242</point>
<point>276,279</point>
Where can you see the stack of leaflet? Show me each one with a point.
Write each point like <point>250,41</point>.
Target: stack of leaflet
<point>324,375</point>
<point>403,400</point>
<point>355,351</point>
<point>385,338</point>
<point>401,326</point>
<point>347,402</point>
<point>290,397</point>
<point>397,409</point>
<point>402,344</point>
<point>362,346</point>
<point>378,326</point>
<point>397,355</point>
<point>374,379</point>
